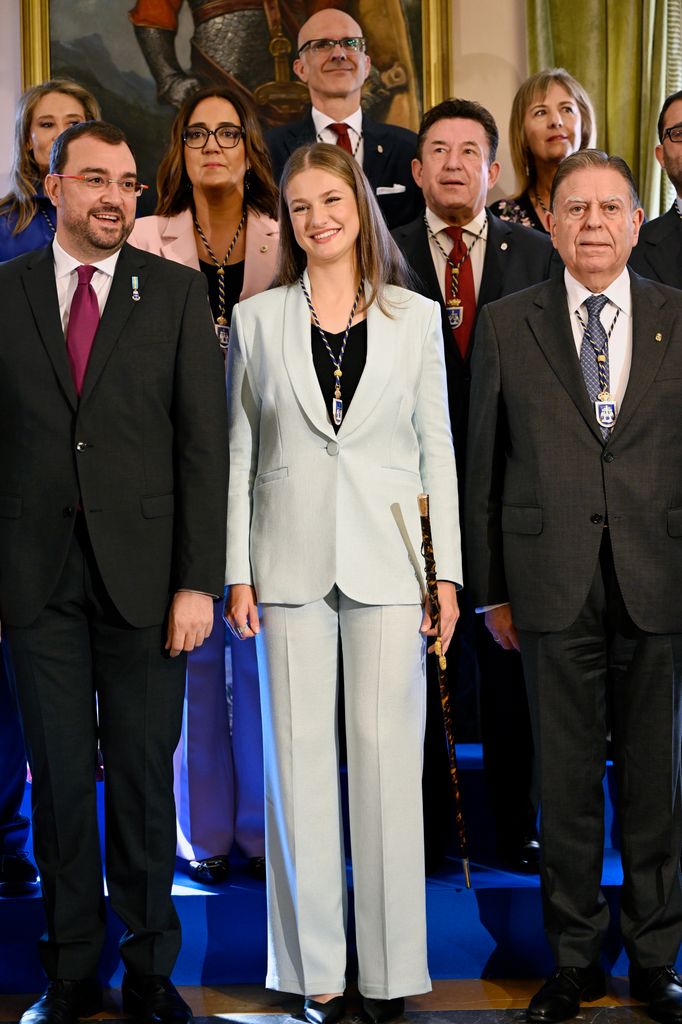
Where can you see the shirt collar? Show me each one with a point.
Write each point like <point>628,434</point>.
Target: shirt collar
<point>678,203</point>
<point>474,227</point>
<point>322,121</point>
<point>65,264</point>
<point>618,292</point>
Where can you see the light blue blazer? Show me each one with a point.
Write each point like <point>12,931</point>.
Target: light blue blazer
<point>308,509</point>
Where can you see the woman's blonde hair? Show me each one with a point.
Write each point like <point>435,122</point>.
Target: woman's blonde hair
<point>379,260</point>
<point>25,175</point>
<point>535,89</point>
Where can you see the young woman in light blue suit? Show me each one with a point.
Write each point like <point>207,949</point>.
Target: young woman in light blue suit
<point>338,420</point>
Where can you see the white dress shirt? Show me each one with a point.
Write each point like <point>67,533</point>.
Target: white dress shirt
<point>65,267</point>
<point>476,231</point>
<point>326,134</point>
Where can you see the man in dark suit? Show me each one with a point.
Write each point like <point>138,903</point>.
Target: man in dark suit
<point>333,64</point>
<point>574,518</point>
<point>658,254</point>
<point>112,534</point>
<point>455,167</point>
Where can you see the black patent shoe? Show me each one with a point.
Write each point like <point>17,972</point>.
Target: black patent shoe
<point>18,877</point>
<point>560,997</point>
<point>324,1013</point>
<point>154,999</point>
<point>381,1011</point>
<point>257,868</point>
<point>63,1002</point>
<point>661,989</point>
<point>209,871</point>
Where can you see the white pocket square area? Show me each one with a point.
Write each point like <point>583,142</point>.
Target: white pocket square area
<point>390,190</point>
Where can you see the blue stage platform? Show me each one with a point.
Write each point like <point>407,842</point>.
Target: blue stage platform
<point>493,930</point>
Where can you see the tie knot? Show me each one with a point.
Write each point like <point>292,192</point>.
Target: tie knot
<point>455,234</point>
<point>595,304</point>
<point>85,273</point>
<point>341,129</point>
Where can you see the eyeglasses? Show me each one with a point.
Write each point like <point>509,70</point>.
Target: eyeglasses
<point>353,44</point>
<point>126,186</point>
<point>674,133</point>
<point>226,135</point>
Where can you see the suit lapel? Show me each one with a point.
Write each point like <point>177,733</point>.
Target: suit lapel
<point>651,330</point>
<point>496,256</point>
<point>178,242</point>
<point>298,359</point>
<point>377,372</point>
<point>549,321</point>
<point>41,289</point>
<point>118,308</point>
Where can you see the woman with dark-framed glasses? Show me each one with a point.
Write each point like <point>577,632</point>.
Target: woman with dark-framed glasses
<point>216,210</point>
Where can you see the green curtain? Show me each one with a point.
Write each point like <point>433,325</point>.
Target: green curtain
<point>618,50</point>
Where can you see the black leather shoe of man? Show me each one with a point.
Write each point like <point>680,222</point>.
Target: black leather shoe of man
<point>18,877</point>
<point>661,989</point>
<point>324,1013</point>
<point>63,1002</point>
<point>154,999</point>
<point>209,871</point>
<point>381,1011</point>
<point>257,868</point>
<point>561,995</point>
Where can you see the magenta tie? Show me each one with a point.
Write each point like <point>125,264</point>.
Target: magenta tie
<point>82,326</point>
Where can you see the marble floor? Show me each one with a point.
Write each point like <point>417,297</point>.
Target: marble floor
<point>462,1002</point>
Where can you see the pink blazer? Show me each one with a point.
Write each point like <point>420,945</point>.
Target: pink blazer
<point>173,238</point>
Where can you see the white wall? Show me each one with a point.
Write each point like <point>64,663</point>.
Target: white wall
<point>10,82</point>
<point>488,58</point>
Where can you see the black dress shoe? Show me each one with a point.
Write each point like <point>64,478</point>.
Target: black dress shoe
<point>381,1011</point>
<point>18,877</point>
<point>661,989</point>
<point>154,999</point>
<point>257,868</point>
<point>523,856</point>
<point>560,996</point>
<point>63,1002</point>
<point>209,871</point>
<point>324,1013</point>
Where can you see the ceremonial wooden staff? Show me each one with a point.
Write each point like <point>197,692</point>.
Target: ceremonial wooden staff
<point>432,589</point>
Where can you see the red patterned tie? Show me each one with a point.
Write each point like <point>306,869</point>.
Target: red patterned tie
<point>343,137</point>
<point>82,325</point>
<point>464,291</point>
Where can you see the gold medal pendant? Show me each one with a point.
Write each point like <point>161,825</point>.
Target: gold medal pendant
<point>337,404</point>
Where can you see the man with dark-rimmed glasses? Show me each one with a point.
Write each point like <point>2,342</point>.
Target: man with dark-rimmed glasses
<point>333,62</point>
<point>658,254</point>
<point>112,533</point>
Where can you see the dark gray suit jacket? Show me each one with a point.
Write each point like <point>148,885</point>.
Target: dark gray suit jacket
<point>515,258</point>
<point>658,253</point>
<point>388,154</point>
<point>541,481</point>
<point>144,450</point>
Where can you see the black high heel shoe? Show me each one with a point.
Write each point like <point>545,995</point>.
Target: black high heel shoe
<point>324,1013</point>
<point>381,1011</point>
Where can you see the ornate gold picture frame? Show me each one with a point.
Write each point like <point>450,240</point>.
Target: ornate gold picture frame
<point>100,45</point>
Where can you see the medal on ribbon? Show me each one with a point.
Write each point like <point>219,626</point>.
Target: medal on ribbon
<point>455,311</point>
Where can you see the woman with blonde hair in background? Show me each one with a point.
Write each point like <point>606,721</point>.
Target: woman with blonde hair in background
<point>216,210</point>
<point>338,421</point>
<point>552,116</point>
<point>27,219</point>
